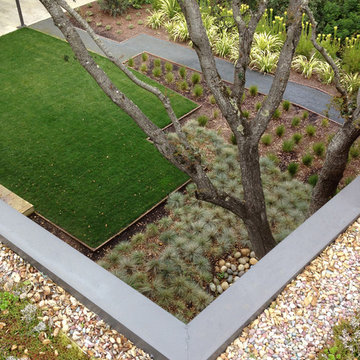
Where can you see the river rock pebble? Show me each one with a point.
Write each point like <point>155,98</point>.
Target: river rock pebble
<point>63,312</point>
<point>298,324</point>
<point>231,268</point>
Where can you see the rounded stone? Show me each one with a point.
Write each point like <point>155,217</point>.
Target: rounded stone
<point>228,264</point>
<point>229,271</point>
<point>246,258</point>
<point>217,269</point>
<point>225,285</point>
<point>216,281</point>
<point>212,287</point>
<point>223,268</point>
<point>242,261</point>
<point>241,273</point>
<point>226,275</point>
<point>236,278</point>
<point>253,261</point>
<point>230,279</point>
<point>221,262</point>
<point>233,267</point>
<point>252,254</point>
<point>245,252</point>
<point>241,267</point>
<point>219,289</point>
<point>237,255</point>
<point>247,265</point>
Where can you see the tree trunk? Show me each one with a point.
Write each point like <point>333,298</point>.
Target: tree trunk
<point>255,219</point>
<point>334,166</point>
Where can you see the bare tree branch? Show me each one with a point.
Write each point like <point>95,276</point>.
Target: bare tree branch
<point>154,90</point>
<point>201,43</point>
<point>245,42</point>
<point>282,73</point>
<point>191,167</point>
<point>324,53</point>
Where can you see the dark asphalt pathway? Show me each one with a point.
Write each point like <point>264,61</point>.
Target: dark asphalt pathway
<point>305,96</point>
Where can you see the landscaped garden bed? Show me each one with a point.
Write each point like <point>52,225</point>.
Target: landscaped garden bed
<point>213,259</point>
<point>67,149</point>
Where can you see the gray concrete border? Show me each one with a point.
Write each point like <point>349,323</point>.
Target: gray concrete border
<point>151,327</point>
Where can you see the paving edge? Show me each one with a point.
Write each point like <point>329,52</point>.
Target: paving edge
<point>149,326</point>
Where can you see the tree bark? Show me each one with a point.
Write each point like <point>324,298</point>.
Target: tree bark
<point>255,220</point>
<point>334,165</point>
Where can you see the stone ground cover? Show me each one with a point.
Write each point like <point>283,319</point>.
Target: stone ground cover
<point>298,324</point>
<point>67,149</point>
<point>59,312</point>
<point>24,334</point>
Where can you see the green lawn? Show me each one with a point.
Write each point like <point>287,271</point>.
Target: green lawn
<point>66,148</point>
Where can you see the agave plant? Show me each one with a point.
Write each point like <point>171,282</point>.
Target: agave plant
<point>306,66</point>
<point>264,61</point>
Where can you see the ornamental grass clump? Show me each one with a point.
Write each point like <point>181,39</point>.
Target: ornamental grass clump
<point>280,130</point>
<point>286,105</point>
<point>169,77</point>
<point>202,120</point>
<point>266,139</point>
<point>307,159</point>
<point>310,130</point>
<point>212,100</point>
<point>172,264</point>
<point>157,72</point>
<point>198,90</point>
<point>195,78</point>
<point>253,90</point>
<point>319,148</point>
<point>354,151</point>
<point>131,62</point>
<point>297,138</point>
<point>293,168</point>
<point>312,180</point>
<point>182,72</point>
<point>295,121</point>
<point>288,145</point>
<point>276,114</point>
<point>183,85</point>
<point>168,67</point>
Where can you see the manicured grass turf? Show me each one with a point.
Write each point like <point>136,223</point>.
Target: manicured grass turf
<point>67,149</point>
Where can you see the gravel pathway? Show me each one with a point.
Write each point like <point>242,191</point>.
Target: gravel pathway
<point>299,322</point>
<point>62,311</point>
